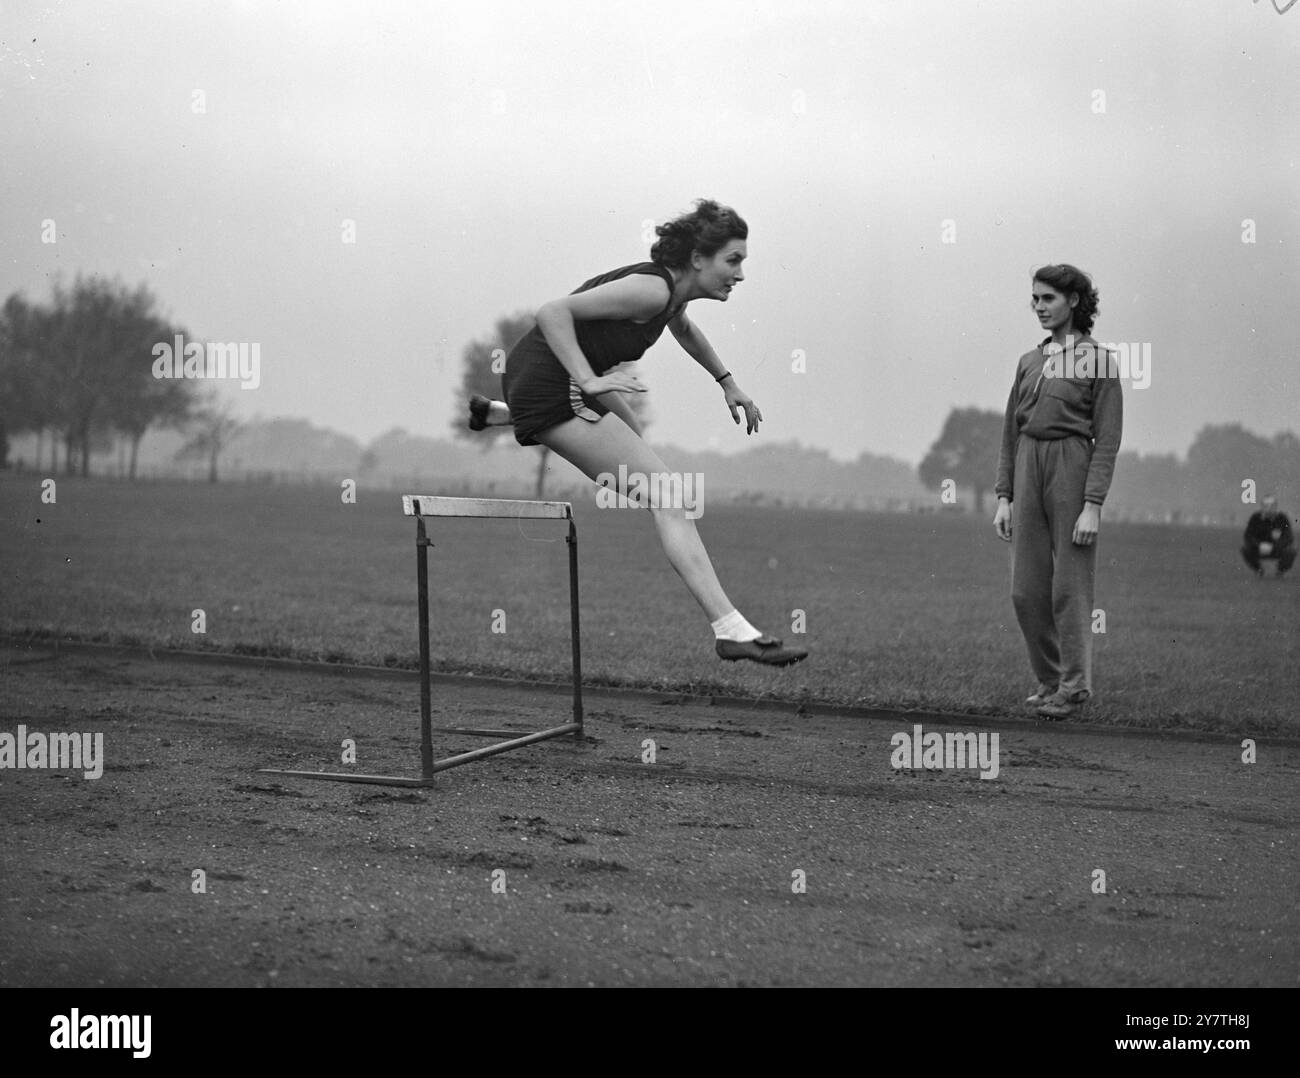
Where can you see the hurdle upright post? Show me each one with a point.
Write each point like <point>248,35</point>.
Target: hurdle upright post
<point>573,620</point>
<point>422,544</point>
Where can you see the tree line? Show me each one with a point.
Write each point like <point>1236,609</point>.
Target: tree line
<point>78,370</point>
<point>1227,468</point>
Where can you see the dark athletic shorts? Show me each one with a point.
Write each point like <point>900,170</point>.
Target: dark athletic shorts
<point>540,392</point>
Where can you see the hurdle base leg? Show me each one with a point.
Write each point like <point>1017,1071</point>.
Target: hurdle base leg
<point>506,746</point>
<point>438,765</point>
<point>337,776</point>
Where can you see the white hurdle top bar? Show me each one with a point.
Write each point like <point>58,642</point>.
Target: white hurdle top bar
<point>430,505</point>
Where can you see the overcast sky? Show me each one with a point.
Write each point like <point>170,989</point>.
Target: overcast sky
<point>494,155</point>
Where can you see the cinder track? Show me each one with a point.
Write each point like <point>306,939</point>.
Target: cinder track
<point>618,871</point>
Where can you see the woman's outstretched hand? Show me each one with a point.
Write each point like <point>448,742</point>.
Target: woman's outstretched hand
<point>611,381</point>
<point>737,399</point>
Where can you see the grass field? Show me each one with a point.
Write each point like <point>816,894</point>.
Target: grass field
<point>900,611</point>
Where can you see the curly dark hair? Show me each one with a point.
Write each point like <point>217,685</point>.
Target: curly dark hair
<point>1066,279</point>
<point>707,229</point>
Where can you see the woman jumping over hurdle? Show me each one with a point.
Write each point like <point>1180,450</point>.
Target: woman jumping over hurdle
<point>563,389</point>
<point>1060,436</point>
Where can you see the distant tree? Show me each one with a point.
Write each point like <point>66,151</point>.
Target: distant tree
<point>137,401</point>
<point>966,452</point>
<point>1286,457</point>
<point>81,367</point>
<point>102,336</point>
<point>1222,457</point>
<point>1228,450</point>
<point>1148,487</point>
<point>30,386</point>
<point>213,425</point>
<point>20,374</point>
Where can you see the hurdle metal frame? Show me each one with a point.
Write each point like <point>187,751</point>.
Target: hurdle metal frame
<point>422,506</point>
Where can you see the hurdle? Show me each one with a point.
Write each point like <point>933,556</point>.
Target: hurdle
<point>422,507</point>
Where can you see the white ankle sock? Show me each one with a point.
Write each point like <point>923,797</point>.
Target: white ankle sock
<point>733,627</point>
<point>499,414</point>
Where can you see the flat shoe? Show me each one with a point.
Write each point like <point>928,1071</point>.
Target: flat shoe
<point>1040,697</point>
<point>1060,706</point>
<point>766,649</point>
<point>478,411</point>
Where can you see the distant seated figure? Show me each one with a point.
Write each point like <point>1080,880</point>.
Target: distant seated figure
<point>1268,536</point>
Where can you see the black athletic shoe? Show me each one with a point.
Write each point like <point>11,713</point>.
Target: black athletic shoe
<point>478,411</point>
<point>765,649</point>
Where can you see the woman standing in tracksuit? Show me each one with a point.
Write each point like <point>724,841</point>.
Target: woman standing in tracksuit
<point>1060,436</point>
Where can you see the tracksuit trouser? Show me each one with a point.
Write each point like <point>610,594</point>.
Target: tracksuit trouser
<point>1052,579</point>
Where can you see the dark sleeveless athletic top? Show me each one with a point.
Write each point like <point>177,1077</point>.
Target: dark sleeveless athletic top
<point>535,384</point>
<point>607,342</point>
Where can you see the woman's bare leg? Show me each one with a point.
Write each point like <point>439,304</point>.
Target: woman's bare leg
<point>600,447</point>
